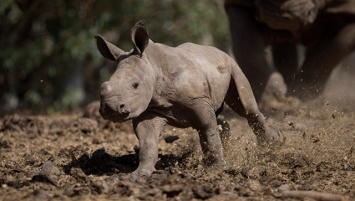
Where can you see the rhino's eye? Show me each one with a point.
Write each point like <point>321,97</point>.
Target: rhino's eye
<point>135,85</point>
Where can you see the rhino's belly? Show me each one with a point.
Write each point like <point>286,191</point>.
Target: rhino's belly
<point>177,116</point>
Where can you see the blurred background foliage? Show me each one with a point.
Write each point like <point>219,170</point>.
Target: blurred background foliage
<point>48,59</point>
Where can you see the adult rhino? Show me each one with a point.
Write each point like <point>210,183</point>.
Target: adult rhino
<point>182,86</point>
<point>325,27</point>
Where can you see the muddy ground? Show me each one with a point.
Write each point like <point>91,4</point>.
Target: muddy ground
<point>79,156</point>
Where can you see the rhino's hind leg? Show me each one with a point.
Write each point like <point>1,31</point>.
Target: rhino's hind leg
<point>205,123</point>
<point>241,99</point>
<point>148,127</point>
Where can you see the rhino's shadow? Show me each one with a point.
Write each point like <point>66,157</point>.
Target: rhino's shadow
<point>102,163</point>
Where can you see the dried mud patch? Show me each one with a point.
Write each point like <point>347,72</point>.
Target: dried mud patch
<point>82,157</point>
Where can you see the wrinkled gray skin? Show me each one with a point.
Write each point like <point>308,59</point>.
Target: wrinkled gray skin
<point>326,28</point>
<point>185,86</point>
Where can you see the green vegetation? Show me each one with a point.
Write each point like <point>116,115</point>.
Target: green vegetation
<point>48,58</point>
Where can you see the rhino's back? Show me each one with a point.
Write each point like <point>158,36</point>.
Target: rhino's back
<point>341,7</point>
<point>212,65</point>
<point>207,57</point>
<point>333,6</point>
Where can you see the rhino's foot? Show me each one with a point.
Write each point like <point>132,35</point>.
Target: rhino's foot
<point>214,167</point>
<point>144,171</point>
<point>213,162</point>
<point>270,138</point>
<point>276,86</point>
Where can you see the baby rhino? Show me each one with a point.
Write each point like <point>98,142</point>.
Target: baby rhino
<point>182,86</point>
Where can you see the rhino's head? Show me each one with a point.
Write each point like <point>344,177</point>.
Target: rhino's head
<point>129,90</point>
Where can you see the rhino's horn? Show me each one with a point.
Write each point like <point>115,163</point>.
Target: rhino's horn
<point>107,49</point>
<point>140,37</point>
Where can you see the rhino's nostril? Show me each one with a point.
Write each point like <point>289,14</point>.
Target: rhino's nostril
<point>123,110</point>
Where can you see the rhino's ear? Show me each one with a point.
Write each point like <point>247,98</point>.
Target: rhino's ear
<point>139,37</point>
<point>107,49</point>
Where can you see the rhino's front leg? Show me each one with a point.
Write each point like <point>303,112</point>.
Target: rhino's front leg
<point>320,61</point>
<point>148,127</point>
<point>249,50</point>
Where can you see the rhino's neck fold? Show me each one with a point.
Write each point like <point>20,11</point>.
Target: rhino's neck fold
<point>157,55</point>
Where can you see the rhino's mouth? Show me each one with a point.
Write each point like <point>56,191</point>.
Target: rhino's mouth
<point>117,117</point>
<point>112,114</point>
